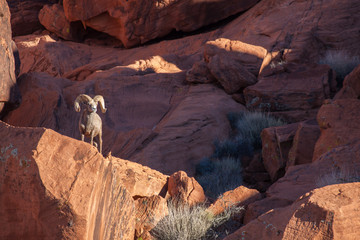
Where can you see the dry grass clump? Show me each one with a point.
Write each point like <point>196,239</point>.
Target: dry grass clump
<point>341,62</point>
<point>186,222</point>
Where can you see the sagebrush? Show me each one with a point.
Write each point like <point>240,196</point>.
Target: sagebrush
<point>341,62</point>
<point>222,171</point>
<point>186,222</point>
<point>221,175</point>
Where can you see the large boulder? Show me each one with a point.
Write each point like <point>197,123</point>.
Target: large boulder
<point>339,122</point>
<point>185,189</point>
<point>303,145</point>
<point>301,179</point>
<point>331,212</point>
<point>54,186</point>
<point>239,197</point>
<point>250,56</point>
<point>351,85</point>
<point>9,94</point>
<point>149,211</point>
<point>52,17</point>
<point>301,88</point>
<point>230,73</point>
<point>276,144</point>
<point>24,15</point>
<point>136,22</point>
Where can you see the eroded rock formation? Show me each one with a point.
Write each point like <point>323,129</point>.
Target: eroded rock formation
<point>136,22</point>
<point>9,94</point>
<point>168,102</point>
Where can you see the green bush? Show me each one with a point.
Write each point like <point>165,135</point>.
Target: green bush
<point>236,147</point>
<point>222,171</point>
<point>250,125</point>
<point>341,62</point>
<point>186,222</point>
<point>222,175</point>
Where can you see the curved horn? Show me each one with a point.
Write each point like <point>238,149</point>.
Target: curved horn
<point>81,99</point>
<point>100,99</point>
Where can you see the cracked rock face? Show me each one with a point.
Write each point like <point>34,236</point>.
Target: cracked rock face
<point>324,213</point>
<point>154,117</point>
<point>9,96</point>
<point>52,186</point>
<point>136,22</point>
<point>186,189</point>
<point>24,15</point>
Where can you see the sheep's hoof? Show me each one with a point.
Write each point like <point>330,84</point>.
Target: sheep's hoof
<point>95,144</point>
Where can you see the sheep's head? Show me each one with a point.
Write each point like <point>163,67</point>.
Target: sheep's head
<point>91,104</point>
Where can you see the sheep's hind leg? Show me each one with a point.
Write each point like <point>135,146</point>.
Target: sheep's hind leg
<point>92,138</point>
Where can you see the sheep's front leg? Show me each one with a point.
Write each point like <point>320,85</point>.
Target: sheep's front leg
<point>82,130</point>
<point>100,142</point>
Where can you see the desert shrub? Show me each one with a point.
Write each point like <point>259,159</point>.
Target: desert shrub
<point>341,62</point>
<point>236,147</point>
<point>233,117</point>
<point>186,222</point>
<point>250,125</point>
<point>222,175</point>
<point>337,176</point>
<point>222,171</point>
<point>246,129</point>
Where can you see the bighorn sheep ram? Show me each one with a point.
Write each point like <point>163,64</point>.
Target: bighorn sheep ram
<point>90,124</point>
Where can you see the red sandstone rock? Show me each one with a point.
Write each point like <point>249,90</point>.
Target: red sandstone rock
<point>239,197</point>
<point>199,73</point>
<point>250,56</point>
<point>300,88</point>
<point>8,89</point>
<point>149,134</point>
<point>185,189</point>
<point>296,115</point>
<point>53,19</point>
<point>136,22</point>
<point>276,144</point>
<point>24,15</point>
<point>149,211</point>
<point>338,121</point>
<point>44,54</point>
<point>305,138</point>
<point>280,29</point>
<point>56,187</point>
<point>52,185</point>
<point>186,135</point>
<point>255,174</point>
<point>230,73</point>
<point>326,213</point>
<point>301,179</point>
<point>351,85</point>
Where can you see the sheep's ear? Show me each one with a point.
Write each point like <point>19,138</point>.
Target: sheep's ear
<point>82,98</point>
<point>100,99</point>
